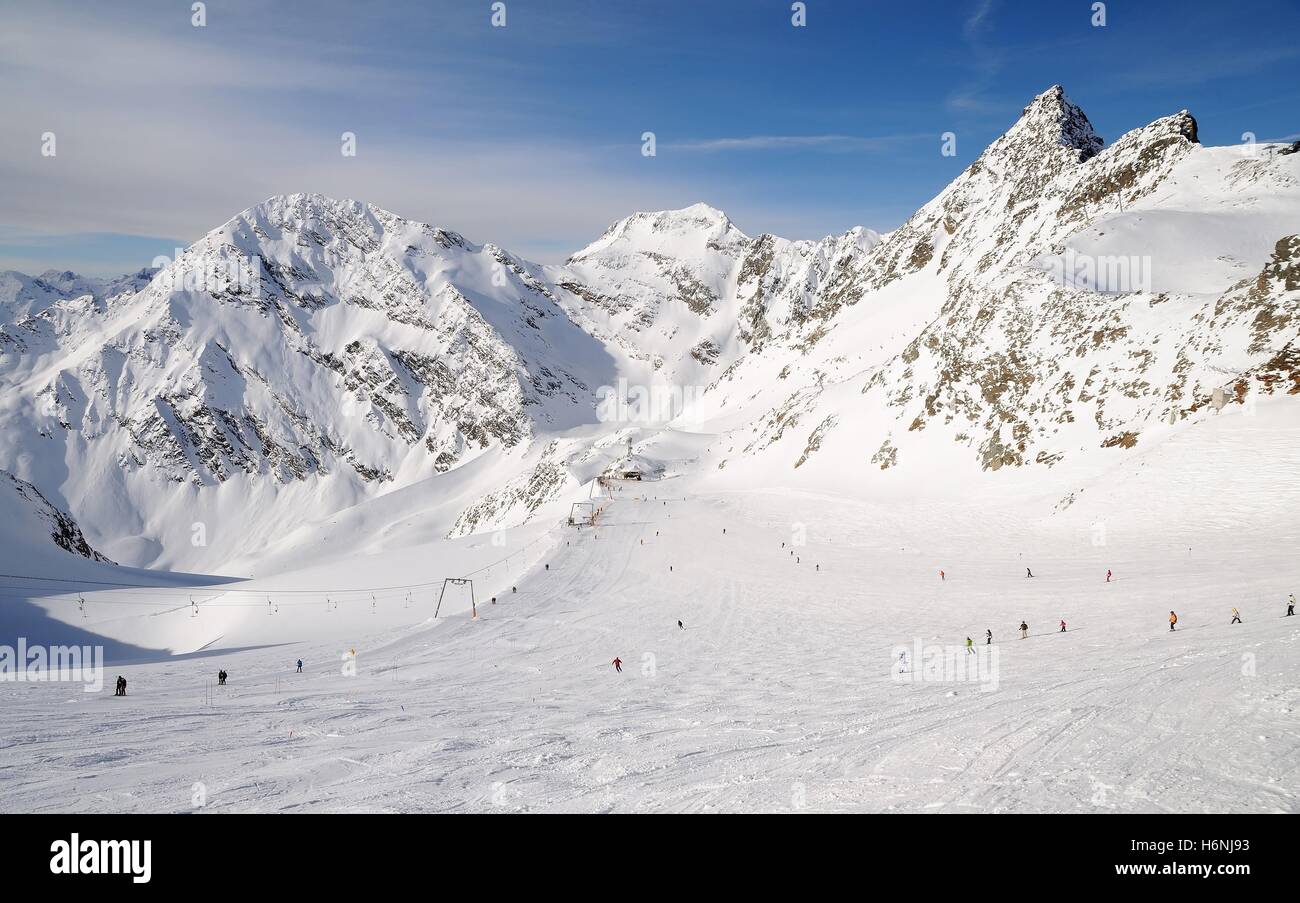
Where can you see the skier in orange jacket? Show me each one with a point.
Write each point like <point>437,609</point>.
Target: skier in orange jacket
<point>1173,619</point>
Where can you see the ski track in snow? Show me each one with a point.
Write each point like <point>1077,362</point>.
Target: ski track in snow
<point>778,696</point>
<point>923,400</point>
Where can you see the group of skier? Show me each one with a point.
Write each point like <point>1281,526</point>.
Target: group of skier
<point>1024,629</point>
<point>1024,625</point>
<point>988,636</point>
<point>1236,615</point>
<point>1173,618</point>
<point>970,643</point>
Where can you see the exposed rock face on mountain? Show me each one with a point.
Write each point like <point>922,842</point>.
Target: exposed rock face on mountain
<point>1027,338</point>
<point>27,513</point>
<point>688,293</point>
<point>1038,183</point>
<point>788,288</point>
<point>23,297</point>
<point>1060,298</point>
<point>305,340</point>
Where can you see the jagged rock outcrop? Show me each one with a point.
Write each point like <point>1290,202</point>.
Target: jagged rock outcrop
<point>1059,298</point>
<point>1027,340</point>
<point>26,511</point>
<point>305,339</point>
<point>685,290</point>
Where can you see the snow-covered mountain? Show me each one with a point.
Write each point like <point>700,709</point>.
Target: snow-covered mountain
<point>301,357</point>
<point>29,523</point>
<point>24,296</point>
<point>687,293</point>
<point>1060,299</point>
<point>1005,324</point>
<point>1080,357</point>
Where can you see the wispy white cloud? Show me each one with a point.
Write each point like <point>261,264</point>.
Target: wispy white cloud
<point>164,129</point>
<point>977,22</point>
<point>986,62</point>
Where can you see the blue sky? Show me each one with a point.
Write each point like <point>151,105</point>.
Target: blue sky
<point>530,135</point>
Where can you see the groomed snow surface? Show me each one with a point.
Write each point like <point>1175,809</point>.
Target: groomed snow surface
<point>780,694</point>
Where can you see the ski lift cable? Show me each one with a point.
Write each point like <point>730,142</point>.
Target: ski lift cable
<point>156,589</point>
<point>218,600</point>
<point>170,597</point>
<point>172,602</point>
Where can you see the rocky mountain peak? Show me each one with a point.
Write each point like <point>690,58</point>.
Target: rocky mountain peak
<point>1179,126</point>
<point>370,352</point>
<point>1052,120</point>
<point>698,227</point>
<point>696,216</point>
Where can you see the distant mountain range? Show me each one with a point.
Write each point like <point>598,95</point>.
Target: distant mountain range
<point>1060,299</point>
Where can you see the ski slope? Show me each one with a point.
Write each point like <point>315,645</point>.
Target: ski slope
<point>780,694</point>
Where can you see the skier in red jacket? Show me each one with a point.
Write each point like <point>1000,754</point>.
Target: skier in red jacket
<point>1108,575</point>
<point>618,665</point>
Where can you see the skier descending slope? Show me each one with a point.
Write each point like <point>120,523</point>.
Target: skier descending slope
<point>1062,625</point>
<point>1028,572</point>
<point>1024,630</point>
<point>988,637</point>
<point>970,646</point>
<point>1108,575</point>
<point>618,664</point>
<point>1173,619</point>
<point>1290,606</point>
<point>1236,617</point>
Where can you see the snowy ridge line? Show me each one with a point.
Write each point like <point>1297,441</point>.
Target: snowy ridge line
<point>153,590</point>
<point>210,602</point>
<point>186,597</point>
<point>73,580</point>
<point>215,600</point>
